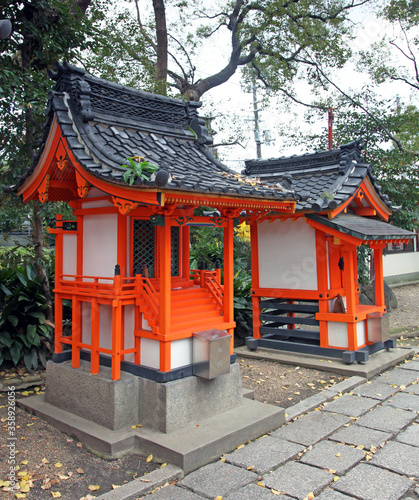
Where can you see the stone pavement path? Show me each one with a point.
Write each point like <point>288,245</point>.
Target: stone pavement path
<point>362,445</point>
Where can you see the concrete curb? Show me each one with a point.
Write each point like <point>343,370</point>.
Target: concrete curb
<point>312,402</point>
<point>145,484</point>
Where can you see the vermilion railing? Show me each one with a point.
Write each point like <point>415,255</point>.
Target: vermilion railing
<point>214,288</point>
<point>145,288</point>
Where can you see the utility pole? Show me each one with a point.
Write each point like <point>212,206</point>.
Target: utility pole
<point>330,128</point>
<point>256,114</point>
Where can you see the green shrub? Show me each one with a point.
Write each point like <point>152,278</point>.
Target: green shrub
<point>25,333</point>
<point>12,257</point>
<point>243,314</point>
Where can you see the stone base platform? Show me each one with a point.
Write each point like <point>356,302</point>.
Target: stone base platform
<point>106,416</point>
<point>377,362</point>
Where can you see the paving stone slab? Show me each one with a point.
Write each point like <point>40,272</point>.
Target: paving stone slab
<point>411,365</point>
<point>398,457</point>
<point>254,492</point>
<point>332,495</point>
<point>352,406</point>
<point>298,480</point>
<point>309,404</point>
<point>398,377</point>
<point>264,455</point>
<point>311,428</point>
<point>372,483</point>
<point>387,419</point>
<point>405,401</point>
<point>412,389</point>
<point>333,456</point>
<point>375,390</point>
<point>357,435</point>
<point>410,435</point>
<point>217,479</point>
<point>174,493</point>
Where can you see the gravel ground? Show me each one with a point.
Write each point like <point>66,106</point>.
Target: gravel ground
<point>42,448</point>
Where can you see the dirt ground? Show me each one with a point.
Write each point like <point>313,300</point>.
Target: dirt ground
<point>52,465</point>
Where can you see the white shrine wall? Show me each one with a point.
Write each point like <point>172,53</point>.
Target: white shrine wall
<point>287,255</point>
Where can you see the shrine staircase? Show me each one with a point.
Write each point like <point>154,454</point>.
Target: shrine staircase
<point>192,310</point>
<point>290,321</point>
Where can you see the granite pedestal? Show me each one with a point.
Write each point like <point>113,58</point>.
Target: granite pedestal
<point>188,422</point>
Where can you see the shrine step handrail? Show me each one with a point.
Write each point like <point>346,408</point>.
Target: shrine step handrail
<point>214,287</point>
<point>148,293</point>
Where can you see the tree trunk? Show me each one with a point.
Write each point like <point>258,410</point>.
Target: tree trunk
<point>161,34</point>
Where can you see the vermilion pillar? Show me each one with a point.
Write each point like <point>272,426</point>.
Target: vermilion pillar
<point>229,275</point>
<point>165,293</point>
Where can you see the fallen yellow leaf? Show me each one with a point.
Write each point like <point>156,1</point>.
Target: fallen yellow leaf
<point>93,487</point>
<point>80,471</point>
<point>240,447</point>
<point>25,488</point>
<point>20,495</point>
<point>4,484</point>
<point>45,461</point>
<point>24,462</point>
<point>58,465</point>
<point>56,494</point>
<point>115,486</point>
<point>149,458</point>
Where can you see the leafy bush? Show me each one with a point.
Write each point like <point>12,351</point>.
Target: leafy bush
<point>12,257</point>
<point>243,314</point>
<point>25,333</point>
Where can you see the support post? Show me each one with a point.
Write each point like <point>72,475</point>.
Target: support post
<point>349,275</point>
<point>379,277</point>
<point>229,274</point>
<point>116,339</point>
<point>95,335</point>
<point>77,332</point>
<point>165,292</point>
<point>58,308</point>
<point>322,284</point>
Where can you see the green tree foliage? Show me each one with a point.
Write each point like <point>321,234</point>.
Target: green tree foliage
<point>43,31</point>
<point>396,169</point>
<point>274,37</point>
<point>395,57</point>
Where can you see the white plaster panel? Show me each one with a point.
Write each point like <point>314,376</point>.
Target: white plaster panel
<point>69,253</point>
<point>361,334</point>
<point>150,353</point>
<point>129,316</point>
<point>181,353</point>
<point>95,193</point>
<point>144,325</point>
<point>287,255</point>
<point>338,334</point>
<point>100,245</point>
<point>105,323</point>
<point>96,203</point>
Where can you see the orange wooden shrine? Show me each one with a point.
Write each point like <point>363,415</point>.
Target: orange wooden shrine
<point>124,262</point>
<point>304,265</point>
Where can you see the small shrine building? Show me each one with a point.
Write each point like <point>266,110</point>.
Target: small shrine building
<point>304,265</point>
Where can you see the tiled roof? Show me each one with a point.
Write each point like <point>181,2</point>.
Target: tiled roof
<point>104,123</point>
<point>363,228</point>
<point>322,180</point>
